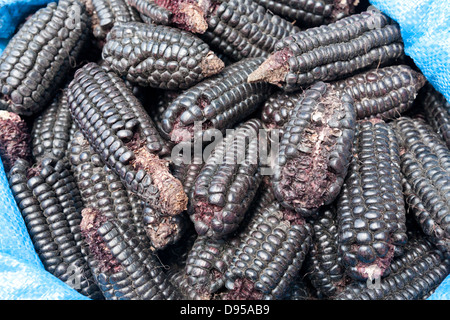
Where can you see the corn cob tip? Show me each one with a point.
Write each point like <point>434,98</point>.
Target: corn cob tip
<point>186,14</point>
<point>193,18</point>
<point>377,269</point>
<point>273,69</point>
<point>14,139</point>
<point>172,198</point>
<point>211,64</point>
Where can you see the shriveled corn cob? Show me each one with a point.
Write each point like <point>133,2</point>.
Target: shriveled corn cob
<point>315,150</point>
<point>332,51</point>
<point>122,133</point>
<point>52,220</point>
<point>15,139</point>
<point>227,183</point>
<point>217,103</point>
<point>159,56</point>
<point>437,112</point>
<point>270,255</point>
<point>39,56</point>
<point>425,165</point>
<point>370,207</point>
<point>163,230</point>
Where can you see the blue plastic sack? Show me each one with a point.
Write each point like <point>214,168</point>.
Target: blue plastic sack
<point>426,33</point>
<point>425,28</point>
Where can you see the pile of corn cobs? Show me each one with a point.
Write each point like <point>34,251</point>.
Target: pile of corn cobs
<point>97,97</point>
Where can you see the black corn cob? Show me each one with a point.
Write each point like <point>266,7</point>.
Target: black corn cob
<point>312,12</point>
<point>53,222</point>
<point>122,133</point>
<point>217,103</point>
<point>277,109</point>
<point>15,139</point>
<point>384,93</point>
<point>425,164</point>
<point>159,56</point>
<point>123,264</point>
<point>328,52</point>
<point>227,183</point>
<point>270,255</point>
<point>51,129</point>
<point>437,112</point>
<point>105,14</point>
<point>242,28</point>
<point>102,189</point>
<point>370,207</point>
<point>414,276</point>
<point>315,150</point>
<point>206,264</point>
<point>323,263</point>
<point>39,56</point>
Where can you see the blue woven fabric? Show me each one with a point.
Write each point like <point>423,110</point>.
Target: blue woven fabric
<point>425,28</point>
